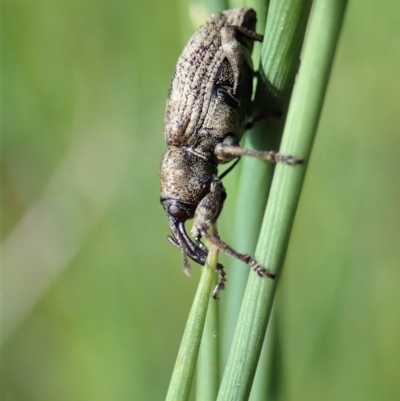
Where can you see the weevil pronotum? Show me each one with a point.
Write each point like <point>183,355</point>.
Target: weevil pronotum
<point>209,107</point>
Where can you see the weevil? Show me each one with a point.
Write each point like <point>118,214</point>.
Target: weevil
<point>209,107</point>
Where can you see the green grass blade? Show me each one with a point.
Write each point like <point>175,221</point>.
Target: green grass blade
<point>207,382</point>
<point>298,138</point>
<point>181,380</point>
<point>216,5</point>
<point>279,63</point>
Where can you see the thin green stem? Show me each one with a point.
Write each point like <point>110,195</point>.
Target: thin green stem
<point>298,138</point>
<point>216,5</point>
<point>181,380</point>
<point>273,93</point>
<point>207,382</point>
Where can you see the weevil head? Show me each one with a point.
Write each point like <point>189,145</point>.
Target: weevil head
<point>185,179</point>
<point>186,176</point>
<point>178,211</point>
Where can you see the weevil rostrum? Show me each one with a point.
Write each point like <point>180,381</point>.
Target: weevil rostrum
<point>209,107</point>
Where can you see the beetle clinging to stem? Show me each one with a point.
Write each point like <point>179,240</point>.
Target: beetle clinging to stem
<point>208,109</point>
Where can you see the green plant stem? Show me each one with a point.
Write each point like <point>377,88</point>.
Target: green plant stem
<point>299,133</point>
<point>181,380</point>
<point>216,5</point>
<point>207,382</point>
<point>284,34</point>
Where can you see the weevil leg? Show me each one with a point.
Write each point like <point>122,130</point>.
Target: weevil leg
<point>206,215</point>
<point>225,151</point>
<point>229,95</point>
<point>200,244</point>
<point>221,281</point>
<point>181,240</point>
<point>208,209</point>
<point>224,247</point>
<point>188,269</point>
<point>257,37</point>
<point>272,115</point>
<point>234,50</point>
<point>204,227</point>
<point>229,169</point>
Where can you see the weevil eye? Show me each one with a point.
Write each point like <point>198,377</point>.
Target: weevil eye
<point>179,210</point>
<point>175,211</point>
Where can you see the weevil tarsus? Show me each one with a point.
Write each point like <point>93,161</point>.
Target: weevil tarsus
<point>225,151</point>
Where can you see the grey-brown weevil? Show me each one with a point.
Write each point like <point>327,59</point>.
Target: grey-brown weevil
<point>209,107</point>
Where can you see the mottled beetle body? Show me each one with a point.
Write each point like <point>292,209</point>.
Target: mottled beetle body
<point>203,80</point>
<point>208,109</point>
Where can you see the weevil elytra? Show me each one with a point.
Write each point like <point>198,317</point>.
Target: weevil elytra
<point>209,107</point>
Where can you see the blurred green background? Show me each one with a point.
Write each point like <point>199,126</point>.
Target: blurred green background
<point>94,300</point>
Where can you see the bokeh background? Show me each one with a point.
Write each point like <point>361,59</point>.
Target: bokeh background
<point>94,301</point>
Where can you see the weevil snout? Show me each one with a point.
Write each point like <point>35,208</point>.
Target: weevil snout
<point>177,213</point>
